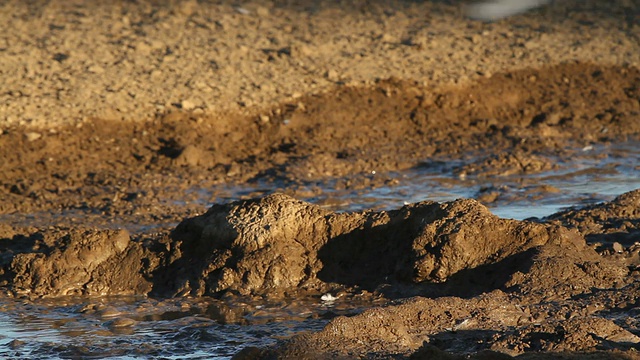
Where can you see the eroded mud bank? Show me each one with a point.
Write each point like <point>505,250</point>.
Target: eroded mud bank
<point>276,244</point>
<point>490,283</point>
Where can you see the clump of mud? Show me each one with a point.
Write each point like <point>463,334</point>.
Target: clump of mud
<point>277,243</point>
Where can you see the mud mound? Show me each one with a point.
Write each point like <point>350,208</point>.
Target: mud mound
<point>494,321</point>
<point>612,228</point>
<point>62,262</point>
<point>277,244</point>
<point>618,219</point>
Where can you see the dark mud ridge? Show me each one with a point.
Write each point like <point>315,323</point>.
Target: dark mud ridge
<point>464,280</point>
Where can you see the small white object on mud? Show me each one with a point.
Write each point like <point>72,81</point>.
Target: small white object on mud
<point>328,298</point>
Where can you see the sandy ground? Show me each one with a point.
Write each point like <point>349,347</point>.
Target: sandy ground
<point>111,113</point>
<point>72,61</point>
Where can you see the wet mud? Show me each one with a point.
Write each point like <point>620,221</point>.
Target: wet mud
<point>146,173</point>
<point>110,209</point>
<point>465,280</point>
<point>470,281</point>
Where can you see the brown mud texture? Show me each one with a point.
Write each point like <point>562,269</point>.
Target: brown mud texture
<point>461,280</point>
<point>104,206</point>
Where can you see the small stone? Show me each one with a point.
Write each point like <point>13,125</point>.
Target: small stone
<point>262,11</point>
<point>190,156</point>
<point>332,75</point>
<point>188,8</point>
<point>302,50</point>
<point>328,298</point>
<point>109,312</point>
<point>121,322</point>
<point>32,136</point>
<point>143,49</point>
<point>388,38</point>
<point>264,118</point>
<point>121,240</point>
<point>96,69</point>
<point>241,10</point>
<point>268,87</point>
<point>16,344</point>
<point>617,247</point>
<point>234,169</point>
<point>188,105</point>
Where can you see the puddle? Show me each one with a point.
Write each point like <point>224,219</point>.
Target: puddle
<point>140,328</point>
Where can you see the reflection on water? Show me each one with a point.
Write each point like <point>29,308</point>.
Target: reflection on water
<point>141,328</point>
<point>599,173</point>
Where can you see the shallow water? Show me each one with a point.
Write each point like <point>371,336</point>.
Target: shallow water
<point>599,173</point>
<point>141,328</point>
<point>130,328</point>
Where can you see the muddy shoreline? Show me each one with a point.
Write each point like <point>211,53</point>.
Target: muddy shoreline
<point>155,156</point>
<point>465,281</point>
<point>553,273</point>
<point>147,172</point>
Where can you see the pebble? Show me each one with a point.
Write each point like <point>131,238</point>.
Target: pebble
<point>16,344</point>
<point>188,105</point>
<point>109,312</point>
<point>242,10</point>
<point>32,136</point>
<point>617,247</point>
<point>328,298</point>
<point>262,11</point>
<point>332,75</point>
<point>188,8</point>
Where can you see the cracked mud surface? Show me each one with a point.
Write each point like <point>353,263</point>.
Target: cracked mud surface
<point>122,122</point>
